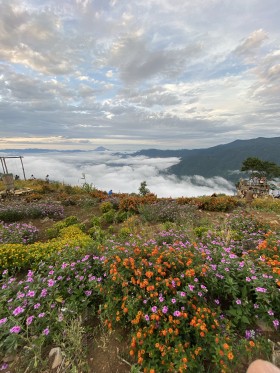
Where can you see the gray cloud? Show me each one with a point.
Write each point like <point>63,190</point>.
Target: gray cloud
<point>161,73</point>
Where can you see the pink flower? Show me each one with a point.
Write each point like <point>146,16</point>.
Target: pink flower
<point>3,321</point>
<point>51,282</point>
<point>18,311</point>
<point>29,320</point>
<point>15,329</point>
<point>46,331</point>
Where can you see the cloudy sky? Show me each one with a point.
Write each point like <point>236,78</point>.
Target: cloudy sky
<point>131,74</point>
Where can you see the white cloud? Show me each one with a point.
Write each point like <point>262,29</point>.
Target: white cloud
<point>106,171</point>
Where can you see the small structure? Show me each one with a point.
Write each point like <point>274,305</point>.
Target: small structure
<point>4,164</point>
<point>259,186</point>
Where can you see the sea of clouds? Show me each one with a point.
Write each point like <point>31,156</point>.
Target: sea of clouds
<point>120,172</point>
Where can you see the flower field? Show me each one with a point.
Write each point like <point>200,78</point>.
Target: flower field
<point>191,294</point>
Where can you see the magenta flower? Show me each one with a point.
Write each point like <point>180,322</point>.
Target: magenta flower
<point>41,315</point>
<point>147,318</point>
<point>15,329</point>
<point>261,290</point>
<point>191,287</point>
<point>18,311</point>
<point>238,301</point>
<point>36,306</point>
<point>177,313</point>
<point>51,282</point>
<point>154,309</point>
<point>29,320</point>
<point>44,292</point>
<point>88,293</point>
<point>276,323</point>
<point>165,309</point>
<point>31,293</point>
<point>46,331</point>
<point>3,321</point>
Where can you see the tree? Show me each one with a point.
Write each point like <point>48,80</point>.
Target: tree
<point>143,190</point>
<point>257,167</point>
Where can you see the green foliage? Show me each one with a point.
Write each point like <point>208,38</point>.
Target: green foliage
<point>108,217</point>
<point>124,233</point>
<point>267,204</point>
<point>88,188</point>
<point>105,207</point>
<point>56,228</point>
<point>143,190</point>
<point>164,211</point>
<point>258,167</point>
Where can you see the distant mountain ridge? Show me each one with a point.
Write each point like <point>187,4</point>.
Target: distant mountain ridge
<point>221,160</point>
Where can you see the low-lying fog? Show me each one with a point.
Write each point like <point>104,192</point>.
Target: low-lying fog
<point>107,170</point>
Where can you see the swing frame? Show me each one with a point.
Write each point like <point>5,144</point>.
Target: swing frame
<point>4,164</point>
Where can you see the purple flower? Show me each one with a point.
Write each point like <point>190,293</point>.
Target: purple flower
<point>36,306</point>
<point>29,320</point>
<point>15,329</point>
<point>44,292</point>
<point>261,290</point>
<point>191,287</point>
<point>88,293</point>
<point>51,282</point>
<point>270,312</point>
<point>238,301</point>
<point>177,313</point>
<point>31,293</point>
<point>46,331</point>
<point>147,318</point>
<point>4,366</point>
<point>3,321</point>
<point>173,300</point>
<point>183,294</point>
<point>154,309</point>
<point>276,323</point>
<point>165,309</point>
<point>256,306</point>
<point>217,301</point>
<point>18,311</point>
<point>41,315</point>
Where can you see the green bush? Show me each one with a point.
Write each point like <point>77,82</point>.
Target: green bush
<point>106,207</point>
<point>108,217</point>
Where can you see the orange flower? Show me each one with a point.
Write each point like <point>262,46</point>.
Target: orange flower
<point>252,343</point>
<point>230,356</point>
<point>225,346</point>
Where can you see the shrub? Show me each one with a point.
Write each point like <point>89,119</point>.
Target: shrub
<point>56,228</point>
<point>164,211</point>
<point>108,217</point>
<point>18,233</point>
<point>222,203</point>
<point>43,305</point>
<point>267,204</point>
<point>32,211</point>
<point>105,207</point>
<point>19,256</point>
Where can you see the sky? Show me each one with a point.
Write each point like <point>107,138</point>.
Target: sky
<point>130,74</point>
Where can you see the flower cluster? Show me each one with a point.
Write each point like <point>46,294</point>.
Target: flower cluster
<point>18,233</point>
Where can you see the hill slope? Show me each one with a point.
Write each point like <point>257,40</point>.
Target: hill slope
<point>221,160</point>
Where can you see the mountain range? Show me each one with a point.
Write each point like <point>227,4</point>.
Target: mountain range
<point>221,160</point>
